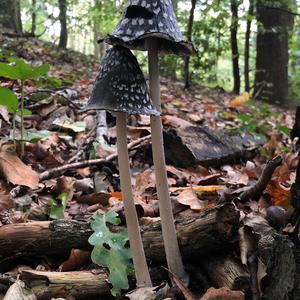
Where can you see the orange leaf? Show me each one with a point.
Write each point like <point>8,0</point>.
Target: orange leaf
<point>239,100</point>
<point>117,195</point>
<point>280,195</point>
<point>77,259</point>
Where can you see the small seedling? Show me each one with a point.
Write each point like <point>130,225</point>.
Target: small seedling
<point>58,206</point>
<point>20,71</point>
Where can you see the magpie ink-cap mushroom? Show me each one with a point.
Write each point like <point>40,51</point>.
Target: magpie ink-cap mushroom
<point>120,85</point>
<point>143,19</point>
<point>120,88</point>
<point>151,25</point>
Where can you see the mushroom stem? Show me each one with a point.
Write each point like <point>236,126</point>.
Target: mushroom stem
<point>139,260</point>
<point>173,256</point>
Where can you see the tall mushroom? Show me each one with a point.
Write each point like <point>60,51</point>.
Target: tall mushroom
<point>151,25</point>
<point>120,88</point>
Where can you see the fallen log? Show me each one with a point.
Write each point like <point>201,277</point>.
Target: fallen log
<point>209,231</point>
<point>79,285</point>
<point>226,271</point>
<point>187,146</point>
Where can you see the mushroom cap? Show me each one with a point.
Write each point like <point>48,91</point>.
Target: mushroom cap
<point>143,19</point>
<point>120,85</point>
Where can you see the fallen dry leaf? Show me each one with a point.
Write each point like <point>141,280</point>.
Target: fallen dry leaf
<point>189,197</point>
<point>223,294</point>
<point>77,259</point>
<point>95,198</point>
<point>280,195</point>
<point>185,291</point>
<point>239,100</point>
<point>14,170</point>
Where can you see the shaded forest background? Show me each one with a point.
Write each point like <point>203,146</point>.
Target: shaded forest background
<point>250,45</point>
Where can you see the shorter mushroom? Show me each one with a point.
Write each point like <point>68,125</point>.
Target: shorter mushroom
<point>120,87</point>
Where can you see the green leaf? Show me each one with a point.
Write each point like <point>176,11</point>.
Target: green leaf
<point>24,111</point>
<point>9,71</point>
<point>8,99</point>
<point>21,70</point>
<point>33,135</point>
<point>58,206</point>
<point>110,250</point>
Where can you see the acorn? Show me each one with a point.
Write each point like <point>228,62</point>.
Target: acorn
<point>277,216</point>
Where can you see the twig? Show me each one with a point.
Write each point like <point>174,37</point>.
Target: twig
<point>256,190</point>
<point>55,172</point>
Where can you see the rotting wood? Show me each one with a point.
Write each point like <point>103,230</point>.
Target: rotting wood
<point>226,271</point>
<point>187,146</point>
<point>79,285</point>
<point>210,231</point>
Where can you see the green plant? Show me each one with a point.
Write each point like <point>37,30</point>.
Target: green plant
<point>20,71</point>
<point>110,250</point>
<point>57,206</point>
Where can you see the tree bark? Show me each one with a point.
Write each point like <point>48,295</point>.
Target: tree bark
<point>247,45</point>
<point>10,15</point>
<point>189,38</point>
<point>79,285</point>
<point>234,46</point>
<point>226,271</point>
<point>271,78</point>
<point>63,39</point>
<point>211,231</point>
<point>33,17</point>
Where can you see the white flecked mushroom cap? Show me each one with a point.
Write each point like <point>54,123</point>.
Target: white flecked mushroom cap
<point>150,18</point>
<point>120,85</point>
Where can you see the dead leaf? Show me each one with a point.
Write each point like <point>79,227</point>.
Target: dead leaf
<point>95,198</point>
<point>18,291</point>
<point>77,259</point>
<point>14,170</point>
<point>280,195</point>
<point>149,293</point>
<point>223,294</point>
<point>175,121</point>
<point>235,177</point>
<point>185,291</point>
<point>189,197</point>
<point>6,202</point>
<point>239,100</point>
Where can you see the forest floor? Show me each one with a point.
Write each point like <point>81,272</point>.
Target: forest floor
<point>62,135</point>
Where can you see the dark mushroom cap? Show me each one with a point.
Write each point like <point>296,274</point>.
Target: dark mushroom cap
<point>143,19</point>
<point>120,85</point>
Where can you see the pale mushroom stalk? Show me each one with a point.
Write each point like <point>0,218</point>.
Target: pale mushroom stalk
<point>140,265</point>
<point>173,255</point>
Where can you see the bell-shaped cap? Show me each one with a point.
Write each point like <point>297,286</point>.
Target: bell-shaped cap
<point>120,85</point>
<point>143,19</point>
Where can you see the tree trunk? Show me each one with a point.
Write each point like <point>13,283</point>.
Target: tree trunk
<point>10,15</point>
<point>247,45</point>
<point>234,46</point>
<point>33,17</point>
<point>189,38</point>
<point>63,39</point>
<point>271,78</point>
